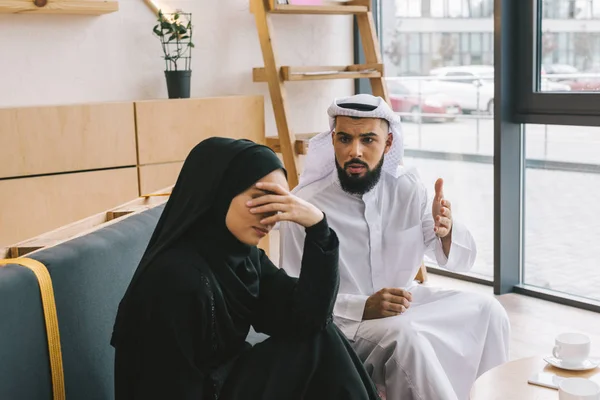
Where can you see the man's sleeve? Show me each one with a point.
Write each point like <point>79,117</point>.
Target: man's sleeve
<point>348,309</point>
<point>463,249</point>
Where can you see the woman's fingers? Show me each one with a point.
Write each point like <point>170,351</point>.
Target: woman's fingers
<point>273,219</point>
<point>269,208</point>
<point>272,187</point>
<point>268,198</point>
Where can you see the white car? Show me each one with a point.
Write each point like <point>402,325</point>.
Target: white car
<point>473,86</point>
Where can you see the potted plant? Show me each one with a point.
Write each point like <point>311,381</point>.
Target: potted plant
<point>175,33</point>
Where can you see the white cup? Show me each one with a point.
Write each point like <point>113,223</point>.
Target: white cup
<point>578,389</point>
<point>572,348</point>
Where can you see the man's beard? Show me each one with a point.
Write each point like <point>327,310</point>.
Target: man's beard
<point>359,184</point>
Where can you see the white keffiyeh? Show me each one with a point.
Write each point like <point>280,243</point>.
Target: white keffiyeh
<point>320,159</point>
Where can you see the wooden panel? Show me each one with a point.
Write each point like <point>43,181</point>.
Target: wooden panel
<point>169,129</point>
<point>85,7</point>
<point>43,140</point>
<point>154,177</point>
<point>333,10</point>
<point>31,206</point>
<point>84,226</point>
<point>322,73</point>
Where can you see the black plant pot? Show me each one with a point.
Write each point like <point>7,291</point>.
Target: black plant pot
<point>178,84</point>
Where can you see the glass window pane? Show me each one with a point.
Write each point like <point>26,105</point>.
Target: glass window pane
<point>464,42</point>
<point>562,184</point>
<point>425,37</point>
<point>450,120</point>
<point>595,9</point>
<point>414,45</point>
<point>476,42</point>
<point>570,57</point>
<point>488,8</point>
<point>414,63</point>
<point>437,8</point>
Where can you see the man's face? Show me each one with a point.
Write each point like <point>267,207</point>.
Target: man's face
<point>360,144</point>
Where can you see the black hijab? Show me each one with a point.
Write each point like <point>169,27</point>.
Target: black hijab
<point>215,171</point>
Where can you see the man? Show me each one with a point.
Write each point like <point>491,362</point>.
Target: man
<point>417,341</point>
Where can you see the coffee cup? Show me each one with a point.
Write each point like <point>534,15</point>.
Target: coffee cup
<point>572,348</point>
<point>578,389</point>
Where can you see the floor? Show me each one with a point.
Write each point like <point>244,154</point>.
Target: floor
<point>534,322</point>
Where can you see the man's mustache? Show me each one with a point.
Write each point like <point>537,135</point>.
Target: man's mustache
<point>356,161</point>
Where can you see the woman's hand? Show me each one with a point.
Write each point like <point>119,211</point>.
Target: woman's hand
<point>281,205</point>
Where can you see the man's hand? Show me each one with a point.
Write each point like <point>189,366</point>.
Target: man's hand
<point>387,303</point>
<point>442,213</point>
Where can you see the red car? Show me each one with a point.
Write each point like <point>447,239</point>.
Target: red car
<point>418,100</point>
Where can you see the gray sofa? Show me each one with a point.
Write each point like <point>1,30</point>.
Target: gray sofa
<point>89,275</point>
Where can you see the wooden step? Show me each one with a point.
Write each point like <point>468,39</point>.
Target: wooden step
<point>320,73</point>
<point>301,146</point>
<point>318,10</point>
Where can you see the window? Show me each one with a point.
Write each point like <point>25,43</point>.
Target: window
<point>434,76</point>
<point>562,185</point>
<point>559,59</point>
<point>538,171</point>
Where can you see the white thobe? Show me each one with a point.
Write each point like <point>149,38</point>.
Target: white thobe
<point>447,338</point>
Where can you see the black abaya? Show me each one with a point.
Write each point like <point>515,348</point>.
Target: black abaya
<point>181,328</point>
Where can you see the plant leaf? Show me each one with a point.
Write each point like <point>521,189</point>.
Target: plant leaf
<point>157,31</point>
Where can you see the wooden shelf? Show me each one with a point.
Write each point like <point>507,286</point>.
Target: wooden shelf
<point>322,73</point>
<point>82,7</point>
<point>319,10</point>
<point>301,146</point>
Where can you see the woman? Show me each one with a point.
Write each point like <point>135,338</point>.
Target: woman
<point>202,282</point>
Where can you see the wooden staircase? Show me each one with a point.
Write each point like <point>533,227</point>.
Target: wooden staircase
<point>289,144</point>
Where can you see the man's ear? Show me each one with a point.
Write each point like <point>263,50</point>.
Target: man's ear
<point>388,143</point>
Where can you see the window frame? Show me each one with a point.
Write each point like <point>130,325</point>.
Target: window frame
<point>532,106</point>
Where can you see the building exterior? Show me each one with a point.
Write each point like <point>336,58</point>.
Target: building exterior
<point>420,35</point>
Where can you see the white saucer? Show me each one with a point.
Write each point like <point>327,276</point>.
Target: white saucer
<point>590,363</point>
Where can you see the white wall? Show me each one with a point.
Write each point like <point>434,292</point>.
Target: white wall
<point>64,59</point>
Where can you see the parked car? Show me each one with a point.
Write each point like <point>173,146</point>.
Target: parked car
<point>422,99</point>
<point>472,86</point>
<point>588,80</point>
<point>558,69</point>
